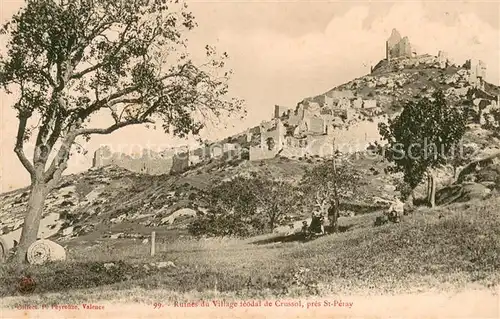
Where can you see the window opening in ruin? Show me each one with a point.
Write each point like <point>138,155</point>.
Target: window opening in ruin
<point>270,143</point>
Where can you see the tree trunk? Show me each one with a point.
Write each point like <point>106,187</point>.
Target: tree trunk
<point>271,222</point>
<point>336,221</point>
<point>32,220</point>
<point>334,218</point>
<point>428,193</point>
<point>432,201</point>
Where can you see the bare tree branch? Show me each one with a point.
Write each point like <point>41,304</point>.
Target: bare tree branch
<point>109,129</point>
<point>110,99</point>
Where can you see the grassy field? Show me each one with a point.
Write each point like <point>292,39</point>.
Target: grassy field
<point>445,249</point>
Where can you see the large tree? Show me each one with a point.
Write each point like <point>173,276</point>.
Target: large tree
<point>422,137</point>
<point>327,184</point>
<point>70,62</point>
<point>244,206</point>
<point>275,199</point>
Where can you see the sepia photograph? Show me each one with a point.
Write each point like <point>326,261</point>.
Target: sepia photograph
<point>249,159</point>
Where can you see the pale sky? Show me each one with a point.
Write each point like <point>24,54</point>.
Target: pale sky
<point>284,51</point>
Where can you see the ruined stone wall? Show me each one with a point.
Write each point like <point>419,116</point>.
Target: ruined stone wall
<point>296,117</point>
<point>344,103</point>
<point>481,69</point>
<point>147,162</point>
<point>156,166</point>
<point>357,103</point>
<point>276,134</point>
<point>477,72</point>
<point>397,47</point>
<point>327,101</point>
<point>180,162</point>
<point>280,111</point>
<point>442,59</point>
<point>368,104</point>
<point>350,114</point>
<point>316,125</point>
<point>257,153</point>
<point>404,48</point>
<point>354,138</point>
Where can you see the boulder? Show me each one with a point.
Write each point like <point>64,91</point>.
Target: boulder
<point>116,236</point>
<point>178,213</point>
<point>68,231</point>
<point>461,193</point>
<point>483,170</point>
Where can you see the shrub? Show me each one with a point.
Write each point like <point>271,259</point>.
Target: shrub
<point>244,206</point>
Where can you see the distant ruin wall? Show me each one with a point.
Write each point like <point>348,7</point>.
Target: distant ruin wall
<point>258,153</point>
<point>280,111</point>
<point>356,138</point>
<point>316,125</point>
<point>146,163</point>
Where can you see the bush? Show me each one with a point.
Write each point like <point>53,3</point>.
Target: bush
<point>245,206</point>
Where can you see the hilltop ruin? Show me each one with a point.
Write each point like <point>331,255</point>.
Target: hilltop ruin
<point>347,116</point>
<point>397,47</point>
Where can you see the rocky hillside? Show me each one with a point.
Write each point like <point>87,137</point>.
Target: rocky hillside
<point>111,201</point>
<point>407,79</point>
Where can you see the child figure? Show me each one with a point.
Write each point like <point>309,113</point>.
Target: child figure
<point>305,227</point>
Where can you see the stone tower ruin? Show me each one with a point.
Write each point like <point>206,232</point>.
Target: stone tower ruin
<point>396,46</point>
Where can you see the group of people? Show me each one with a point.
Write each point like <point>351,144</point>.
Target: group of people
<point>317,226</point>
<point>318,222</point>
<point>318,219</point>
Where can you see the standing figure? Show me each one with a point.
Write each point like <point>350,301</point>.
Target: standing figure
<point>396,210</point>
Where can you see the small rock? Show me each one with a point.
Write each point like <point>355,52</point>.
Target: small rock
<point>382,81</point>
<point>116,236</point>
<point>145,241</point>
<point>164,264</point>
<point>68,231</point>
<point>108,265</point>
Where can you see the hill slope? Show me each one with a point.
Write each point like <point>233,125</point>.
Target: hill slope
<point>111,200</point>
<point>427,251</point>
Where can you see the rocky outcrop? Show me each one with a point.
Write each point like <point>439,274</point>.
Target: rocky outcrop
<point>483,170</point>
<point>462,193</point>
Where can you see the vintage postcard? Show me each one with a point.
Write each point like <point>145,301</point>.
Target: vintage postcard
<point>249,159</point>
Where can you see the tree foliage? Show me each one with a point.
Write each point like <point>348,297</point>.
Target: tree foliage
<point>325,186</point>
<point>245,206</point>
<point>493,122</point>
<point>70,62</point>
<point>422,136</point>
